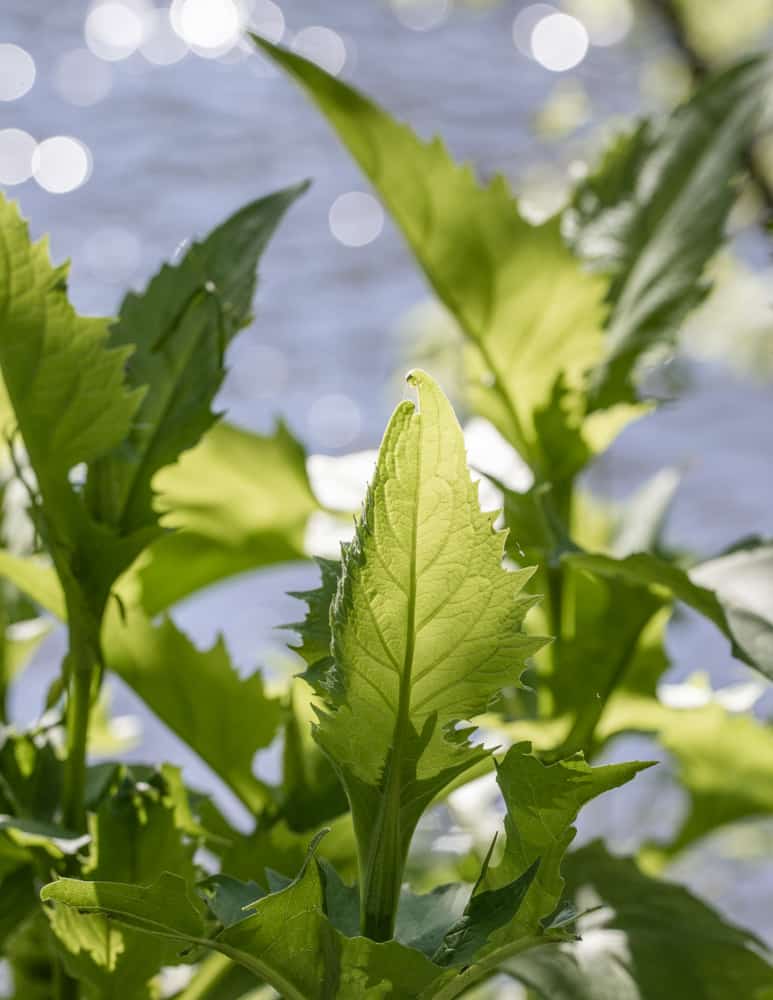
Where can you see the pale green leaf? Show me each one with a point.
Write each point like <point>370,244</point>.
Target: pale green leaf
<point>237,501</point>
<point>199,694</point>
<point>70,406</point>
<point>65,384</point>
<point>532,314</point>
<point>426,627</point>
<point>36,579</point>
<point>723,761</point>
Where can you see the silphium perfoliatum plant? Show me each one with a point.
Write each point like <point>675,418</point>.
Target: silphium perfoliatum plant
<point>419,632</point>
<point>425,629</point>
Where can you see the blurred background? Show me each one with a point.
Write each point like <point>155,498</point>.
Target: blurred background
<point>128,128</point>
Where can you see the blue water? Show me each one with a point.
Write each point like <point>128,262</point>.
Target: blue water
<point>176,149</point>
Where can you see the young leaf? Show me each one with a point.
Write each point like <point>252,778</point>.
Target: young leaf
<point>193,692</point>
<point>426,629</point>
<point>649,941</point>
<point>654,212</point>
<point>532,313</point>
<point>179,329</point>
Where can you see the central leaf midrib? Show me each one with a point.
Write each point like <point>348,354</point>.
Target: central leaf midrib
<point>404,703</point>
<point>392,788</point>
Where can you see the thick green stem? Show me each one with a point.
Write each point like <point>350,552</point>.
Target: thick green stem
<point>65,987</point>
<point>384,867</point>
<point>79,669</point>
<point>210,977</point>
<point>4,678</point>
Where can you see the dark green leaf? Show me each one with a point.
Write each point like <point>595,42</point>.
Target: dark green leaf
<point>178,330</point>
<point>654,212</point>
<point>649,941</point>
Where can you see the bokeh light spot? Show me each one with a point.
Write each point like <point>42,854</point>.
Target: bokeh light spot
<point>356,218</point>
<point>17,72</point>
<point>606,21</point>
<point>323,46</point>
<point>559,42</point>
<point>114,30</point>
<point>525,23</point>
<point>210,27</point>
<point>421,15</point>
<point>82,79</point>
<point>334,420</point>
<point>16,151</point>
<point>162,46</point>
<point>61,164</point>
<point>267,20</point>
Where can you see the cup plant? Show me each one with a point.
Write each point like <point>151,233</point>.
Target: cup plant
<point>434,619</point>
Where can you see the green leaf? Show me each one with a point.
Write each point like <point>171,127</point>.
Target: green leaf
<point>602,622</point>
<point>653,214</point>
<point>485,913</point>
<point>237,501</point>
<point>724,763</point>
<point>423,920</point>
<point>70,406</point>
<point>743,583</point>
<point>19,901</point>
<point>726,612</point>
<point>179,329</point>
<point>65,383</point>
<point>310,793</point>
<point>542,803</point>
<point>138,834</point>
<point>34,834</point>
<point>36,579</point>
<point>30,775</point>
<point>314,631</point>
<point>193,692</point>
<point>228,898</point>
<point>286,940</point>
<point>426,629</point>
<point>649,941</point>
<point>532,314</point>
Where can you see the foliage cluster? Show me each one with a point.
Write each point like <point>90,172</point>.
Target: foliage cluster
<point>431,623</point>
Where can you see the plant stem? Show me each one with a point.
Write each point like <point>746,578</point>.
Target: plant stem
<point>209,977</point>
<point>79,667</point>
